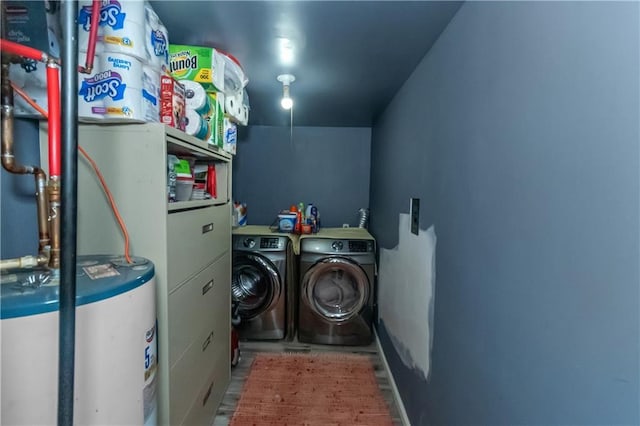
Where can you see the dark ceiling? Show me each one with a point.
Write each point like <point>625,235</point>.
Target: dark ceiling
<point>350,57</point>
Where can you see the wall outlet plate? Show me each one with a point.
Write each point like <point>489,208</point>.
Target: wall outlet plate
<point>414,215</point>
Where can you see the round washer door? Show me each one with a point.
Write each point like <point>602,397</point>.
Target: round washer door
<point>335,288</point>
<point>255,284</point>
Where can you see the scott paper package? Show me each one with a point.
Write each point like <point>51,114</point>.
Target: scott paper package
<point>129,27</point>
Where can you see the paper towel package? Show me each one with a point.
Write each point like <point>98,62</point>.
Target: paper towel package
<point>196,98</point>
<point>196,63</point>
<point>235,108</point>
<point>172,102</point>
<point>196,125</point>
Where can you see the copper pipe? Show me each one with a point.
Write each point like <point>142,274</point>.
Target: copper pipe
<point>54,221</point>
<point>9,162</point>
<point>41,204</point>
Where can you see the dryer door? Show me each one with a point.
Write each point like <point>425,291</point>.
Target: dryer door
<point>335,288</point>
<point>255,284</point>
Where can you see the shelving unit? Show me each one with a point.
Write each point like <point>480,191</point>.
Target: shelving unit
<point>189,243</point>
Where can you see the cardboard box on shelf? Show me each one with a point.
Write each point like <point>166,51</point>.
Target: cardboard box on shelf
<point>172,102</point>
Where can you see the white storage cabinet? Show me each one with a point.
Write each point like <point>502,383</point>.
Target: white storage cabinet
<point>189,242</point>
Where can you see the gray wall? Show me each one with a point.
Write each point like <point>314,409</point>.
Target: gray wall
<point>326,166</point>
<point>18,220</point>
<point>519,132</point>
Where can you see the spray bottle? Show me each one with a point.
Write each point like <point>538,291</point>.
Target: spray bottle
<point>298,226</point>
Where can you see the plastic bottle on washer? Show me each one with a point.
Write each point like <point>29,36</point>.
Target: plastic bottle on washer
<point>307,213</point>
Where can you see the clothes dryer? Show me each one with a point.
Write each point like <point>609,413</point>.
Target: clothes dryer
<point>258,285</point>
<point>336,294</point>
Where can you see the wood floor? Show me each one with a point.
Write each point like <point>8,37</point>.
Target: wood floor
<point>249,349</point>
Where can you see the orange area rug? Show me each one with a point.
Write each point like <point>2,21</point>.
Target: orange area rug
<point>311,389</point>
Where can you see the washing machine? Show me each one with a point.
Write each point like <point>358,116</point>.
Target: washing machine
<point>336,294</point>
<point>258,285</point>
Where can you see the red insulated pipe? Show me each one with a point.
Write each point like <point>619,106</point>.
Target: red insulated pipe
<point>53,94</point>
<point>20,50</point>
<point>93,38</point>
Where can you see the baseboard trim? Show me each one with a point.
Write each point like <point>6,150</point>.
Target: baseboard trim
<point>396,394</point>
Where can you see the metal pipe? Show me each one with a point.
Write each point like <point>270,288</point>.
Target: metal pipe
<point>21,50</point>
<point>55,217</point>
<point>66,361</point>
<point>9,162</point>
<point>44,240</point>
<point>53,100</point>
<point>22,262</point>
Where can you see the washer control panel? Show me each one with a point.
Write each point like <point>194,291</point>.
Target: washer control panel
<point>270,243</point>
<point>259,243</point>
<point>329,246</point>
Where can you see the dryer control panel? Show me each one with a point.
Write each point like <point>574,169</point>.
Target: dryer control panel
<point>360,246</point>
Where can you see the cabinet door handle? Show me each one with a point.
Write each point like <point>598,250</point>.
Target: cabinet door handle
<point>207,342</point>
<point>207,228</point>
<point>208,286</point>
<point>207,395</point>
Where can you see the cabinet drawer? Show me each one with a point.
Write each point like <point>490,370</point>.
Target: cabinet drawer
<point>201,303</point>
<point>190,374</point>
<point>195,238</point>
<point>210,395</point>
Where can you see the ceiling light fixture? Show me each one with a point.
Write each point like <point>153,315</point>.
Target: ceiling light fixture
<point>286,79</point>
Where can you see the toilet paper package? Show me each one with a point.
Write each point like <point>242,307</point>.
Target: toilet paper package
<point>129,27</point>
<point>150,94</point>
<point>92,89</point>
<point>127,104</point>
<point>196,63</point>
<point>157,40</point>
<point>121,27</point>
<point>113,92</point>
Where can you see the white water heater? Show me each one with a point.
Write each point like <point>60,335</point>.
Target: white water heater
<point>116,346</point>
